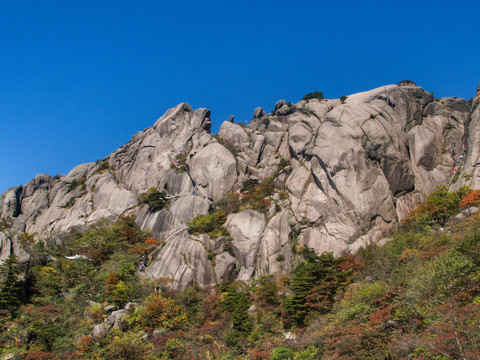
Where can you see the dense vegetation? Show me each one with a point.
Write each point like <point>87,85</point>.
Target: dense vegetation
<point>416,297</point>
<point>314,95</point>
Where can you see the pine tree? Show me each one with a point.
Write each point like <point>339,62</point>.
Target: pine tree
<point>10,285</point>
<point>307,279</point>
<point>237,304</point>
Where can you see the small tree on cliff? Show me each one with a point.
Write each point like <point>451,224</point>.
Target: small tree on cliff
<point>10,285</point>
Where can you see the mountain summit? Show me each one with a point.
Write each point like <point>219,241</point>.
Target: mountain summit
<point>333,175</point>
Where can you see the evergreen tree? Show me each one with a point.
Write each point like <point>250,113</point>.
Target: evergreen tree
<point>306,278</point>
<point>10,285</point>
<point>237,304</point>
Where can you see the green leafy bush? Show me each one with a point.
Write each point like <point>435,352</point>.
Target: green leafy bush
<point>249,184</point>
<point>314,95</point>
<point>282,353</point>
<point>6,223</point>
<point>180,163</point>
<point>229,146</point>
<point>211,224</point>
<point>438,207</point>
<point>156,200</point>
<point>76,183</point>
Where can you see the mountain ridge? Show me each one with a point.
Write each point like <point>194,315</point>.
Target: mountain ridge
<point>356,167</point>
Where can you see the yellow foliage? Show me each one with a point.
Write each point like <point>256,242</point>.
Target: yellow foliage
<point>162,311</point>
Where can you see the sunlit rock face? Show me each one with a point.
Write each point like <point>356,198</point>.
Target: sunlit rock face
<point>345,173</point>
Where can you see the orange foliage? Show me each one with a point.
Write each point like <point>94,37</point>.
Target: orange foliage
<point>408,254</point>
<point>262,353</point>
<point>140,249</point>
<point>112,279</point>
<point>84,344</point>
<point>470,199</point>
<point>151,242</point>
<point>39,355</point>
<point>111,282</point>
<point>381,317</point>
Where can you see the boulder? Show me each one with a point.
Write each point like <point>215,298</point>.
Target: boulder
<point>226,267</point>
<point>357,168</point>
<point>213,169</point>
<point>188,206</point>
<point>275,255</point>
<point>258,113</point>
<point>100,331</point>
<point>184,261</point>
<point>246,228</point>
<point>115,317</point>
<point>10,245</point>
<point>235,135</point>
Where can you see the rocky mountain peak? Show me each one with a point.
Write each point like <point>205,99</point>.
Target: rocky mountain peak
<point>330,174</point>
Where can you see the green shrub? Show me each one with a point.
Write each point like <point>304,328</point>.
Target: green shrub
<point>438,207</point>
<point>283,165</point>
<point>10,284</point>
<point>211,224</point>
<point>229,146</point>
<point>6,223</point>
<point>406,82</point>
<point>249,184</point>
<point>282,353</point>
<point>69,203</point>
<point>439,279</point>
<point>76,183</point>
<point>469,246</point>
<point>309,353</point>
<point>256,197</point>
<point>314,95</point>
<point>237,304</point>
<point>127,347</point>
<point>156,200</point>
<point>180,163</point>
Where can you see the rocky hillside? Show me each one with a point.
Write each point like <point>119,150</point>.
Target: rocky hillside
<point>333,175</point>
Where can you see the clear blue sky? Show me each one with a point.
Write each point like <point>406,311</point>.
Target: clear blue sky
<point>79,78</point>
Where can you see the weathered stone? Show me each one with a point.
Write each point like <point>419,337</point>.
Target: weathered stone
<point>188,206</point>
<point>213,169</point>
<point>235,135</point>
<point>279,104</point>
<point>275,255</point>
<point>358,167</point>
<point>10,245</point>
<point>183,260</point>
<point>246,227</point>
<point>258,113</point>
<point>116,317</point>
<point>225,267</point>
<point>100,331</point>
<point>299,136</point>
<point>131,305</point>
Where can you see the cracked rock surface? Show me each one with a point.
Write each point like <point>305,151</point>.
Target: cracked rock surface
<point>345,173</point>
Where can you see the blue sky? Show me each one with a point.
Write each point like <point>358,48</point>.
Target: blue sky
<point>79,78</point>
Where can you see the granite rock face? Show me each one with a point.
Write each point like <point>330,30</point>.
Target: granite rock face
<point>344,174</point>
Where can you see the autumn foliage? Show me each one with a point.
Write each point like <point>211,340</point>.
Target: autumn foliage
<point>415,297</point>
<point>471,199</point>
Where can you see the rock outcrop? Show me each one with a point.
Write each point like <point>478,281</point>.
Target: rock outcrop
<point>344,174</point>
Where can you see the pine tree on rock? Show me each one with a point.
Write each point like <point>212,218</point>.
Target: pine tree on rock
<point>10,285</point>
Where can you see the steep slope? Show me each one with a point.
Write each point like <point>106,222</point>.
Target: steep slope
<point>345,172</point>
